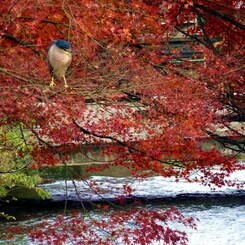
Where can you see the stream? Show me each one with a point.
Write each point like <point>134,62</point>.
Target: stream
<point>221,212</point>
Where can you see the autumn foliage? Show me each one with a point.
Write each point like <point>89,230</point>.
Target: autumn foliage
<point>129,89</point>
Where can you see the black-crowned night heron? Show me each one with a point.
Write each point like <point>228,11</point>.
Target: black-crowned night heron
<point>59,59</point>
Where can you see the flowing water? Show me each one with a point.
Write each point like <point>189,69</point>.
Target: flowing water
<point>221,212</point>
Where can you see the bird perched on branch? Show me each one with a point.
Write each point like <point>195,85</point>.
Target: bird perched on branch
<point>59,59</point>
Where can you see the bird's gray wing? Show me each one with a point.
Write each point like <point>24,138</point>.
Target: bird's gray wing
<point>51,69</point>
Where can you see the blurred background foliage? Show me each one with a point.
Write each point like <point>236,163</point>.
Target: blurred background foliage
<point>17,178</point>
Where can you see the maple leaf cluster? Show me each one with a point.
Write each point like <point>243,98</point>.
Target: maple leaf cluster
<point>142,227</point>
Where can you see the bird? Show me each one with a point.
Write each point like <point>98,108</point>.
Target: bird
<point>59,58</point>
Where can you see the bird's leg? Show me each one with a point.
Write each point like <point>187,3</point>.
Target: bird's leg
<point>52,83</point>
<point>66,85</point>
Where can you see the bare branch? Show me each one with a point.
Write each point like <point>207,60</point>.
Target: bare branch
<point>219,15</point>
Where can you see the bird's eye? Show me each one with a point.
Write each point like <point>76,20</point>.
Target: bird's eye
<point>67,50</point>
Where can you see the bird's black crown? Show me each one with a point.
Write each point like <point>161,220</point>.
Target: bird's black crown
<point>62,44</point>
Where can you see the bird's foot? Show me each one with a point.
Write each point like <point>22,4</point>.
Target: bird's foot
<point>52,84</point>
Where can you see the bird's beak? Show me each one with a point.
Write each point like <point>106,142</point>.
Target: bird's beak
<point>69,51</point>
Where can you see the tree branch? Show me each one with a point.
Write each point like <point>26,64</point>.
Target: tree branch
<point>226,141</point>
<point>206,37</point>
<point>219,15</point>
<point>14,39</point>
<point>123,144</point>
<point>10,73</point>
